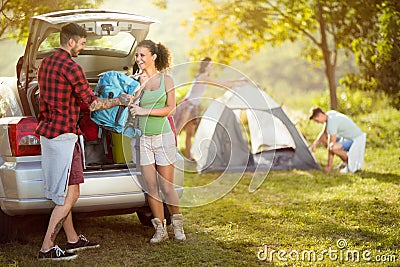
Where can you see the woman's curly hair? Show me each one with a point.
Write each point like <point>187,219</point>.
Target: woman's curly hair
<point>163,60</point>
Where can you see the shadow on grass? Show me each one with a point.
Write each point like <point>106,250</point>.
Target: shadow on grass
<point>310,223</point>
<point>125,242</point>
<point>382,177</point>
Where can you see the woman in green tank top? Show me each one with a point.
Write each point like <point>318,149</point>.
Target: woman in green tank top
<point>154,99</point>
<point>157,144</point>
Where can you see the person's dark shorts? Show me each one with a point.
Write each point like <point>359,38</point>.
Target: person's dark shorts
<point>76,174</point>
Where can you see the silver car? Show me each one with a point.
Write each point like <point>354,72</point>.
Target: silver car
<point>111,185</point>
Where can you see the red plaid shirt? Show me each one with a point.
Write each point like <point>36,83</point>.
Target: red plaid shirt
<point>63,85</point>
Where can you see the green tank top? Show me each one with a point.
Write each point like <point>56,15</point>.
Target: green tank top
<point>153,125</point>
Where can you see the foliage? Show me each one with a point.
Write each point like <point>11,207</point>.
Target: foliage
<point>230,30</point>
<point>324,27</point>
<point>383,129</point>
<point>378,53</point>
<point>354,102</point>
<point>16,14</point>
<point>161,4</point>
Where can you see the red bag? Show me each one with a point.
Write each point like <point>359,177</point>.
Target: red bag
<point>89,129</point>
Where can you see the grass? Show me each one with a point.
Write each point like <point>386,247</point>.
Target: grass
<point>293,212</point>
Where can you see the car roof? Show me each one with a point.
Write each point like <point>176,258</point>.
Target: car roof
<point>81,15</point>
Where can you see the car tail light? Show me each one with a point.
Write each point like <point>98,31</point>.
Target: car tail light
<point>23,139</point>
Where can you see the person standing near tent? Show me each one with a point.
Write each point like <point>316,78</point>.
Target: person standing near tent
<point>157,144</point>
<point>342,137</point>
<point>186,115</point>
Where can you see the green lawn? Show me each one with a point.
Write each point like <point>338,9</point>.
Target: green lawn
<point>295,218</point>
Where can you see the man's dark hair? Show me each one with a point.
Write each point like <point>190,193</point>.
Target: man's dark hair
<point>71,30</point>
<point>315,111</point>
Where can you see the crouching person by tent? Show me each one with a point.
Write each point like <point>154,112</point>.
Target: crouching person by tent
<point>342,137</point>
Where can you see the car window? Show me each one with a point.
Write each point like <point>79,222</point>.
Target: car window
<point>9,106</point>
<point>116,45</point>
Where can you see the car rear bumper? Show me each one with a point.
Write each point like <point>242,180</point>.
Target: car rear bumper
<point>22,193</point>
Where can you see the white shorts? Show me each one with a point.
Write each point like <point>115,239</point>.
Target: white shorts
<point>159,149</point>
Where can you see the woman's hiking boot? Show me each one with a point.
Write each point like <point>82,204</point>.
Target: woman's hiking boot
<point>177,225</point>
<point>161,233</point>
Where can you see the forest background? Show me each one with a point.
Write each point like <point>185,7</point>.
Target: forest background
<point>279,70</point>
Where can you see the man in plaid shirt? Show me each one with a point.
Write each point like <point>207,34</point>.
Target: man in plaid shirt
<point>63,85</point>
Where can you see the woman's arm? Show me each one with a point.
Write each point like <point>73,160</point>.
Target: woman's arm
<point>230,83</point>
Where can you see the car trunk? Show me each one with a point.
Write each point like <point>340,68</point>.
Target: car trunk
<point>110,45</point>
<point>104,149</point>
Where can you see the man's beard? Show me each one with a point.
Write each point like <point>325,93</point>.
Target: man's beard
<point>75,51</point>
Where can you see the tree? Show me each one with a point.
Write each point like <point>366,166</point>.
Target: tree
<point>378,54</point>
<point>234,29</point>
<point>16,14</point>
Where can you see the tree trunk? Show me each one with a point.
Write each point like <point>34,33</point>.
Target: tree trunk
<point>330,63</point>
<point>330,74</point>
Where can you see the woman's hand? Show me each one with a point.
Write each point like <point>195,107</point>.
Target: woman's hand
<point>136,110</point>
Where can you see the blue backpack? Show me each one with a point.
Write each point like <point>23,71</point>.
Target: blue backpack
<point>111,85</point>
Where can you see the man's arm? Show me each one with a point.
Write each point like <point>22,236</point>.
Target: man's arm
<point>106,103</point>
<point>321,139</point>
<point>331,142</point>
